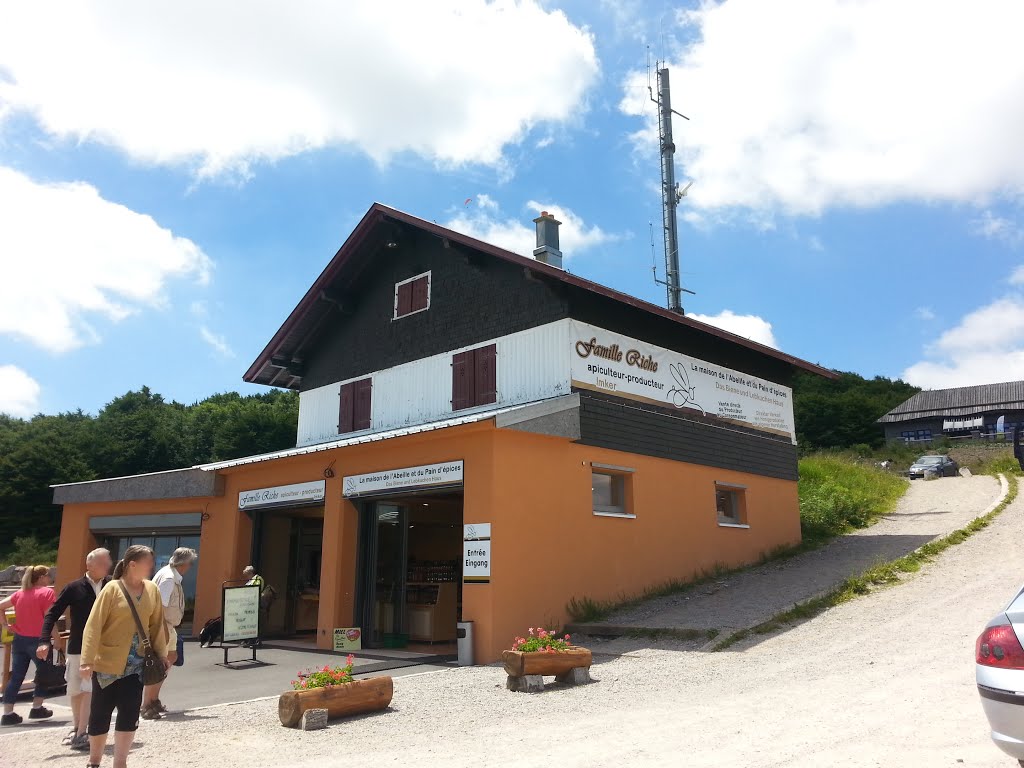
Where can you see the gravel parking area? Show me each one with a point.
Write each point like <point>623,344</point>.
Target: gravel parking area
<point>927,511</point>
<point>886,680</point>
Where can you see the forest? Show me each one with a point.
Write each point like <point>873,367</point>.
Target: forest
<point>142,432</point>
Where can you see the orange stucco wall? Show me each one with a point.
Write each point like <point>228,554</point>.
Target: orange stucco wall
<point>547,545</point>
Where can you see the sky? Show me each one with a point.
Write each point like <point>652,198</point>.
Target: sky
<point>173,176</point>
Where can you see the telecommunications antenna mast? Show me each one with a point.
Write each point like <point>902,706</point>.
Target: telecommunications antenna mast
<point>670,192</point>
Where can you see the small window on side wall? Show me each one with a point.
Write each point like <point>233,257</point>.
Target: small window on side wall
<point>609,488</point>
<point>412,295</point>
<point>730,501</point>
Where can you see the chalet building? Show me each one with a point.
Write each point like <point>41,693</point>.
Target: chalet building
<point>980,412</point>
<point>482,436</point>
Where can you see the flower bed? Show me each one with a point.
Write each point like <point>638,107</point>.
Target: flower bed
<point>333,689</point>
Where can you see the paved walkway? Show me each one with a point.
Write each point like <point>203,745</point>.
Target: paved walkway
<point>927,511</point>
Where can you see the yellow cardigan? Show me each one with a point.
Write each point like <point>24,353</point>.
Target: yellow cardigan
<point>109,630</point>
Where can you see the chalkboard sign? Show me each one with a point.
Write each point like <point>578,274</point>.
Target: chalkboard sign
<point>240,611</point>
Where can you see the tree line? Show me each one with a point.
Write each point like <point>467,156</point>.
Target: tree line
<point>135,433</point>
<point>141,432</point>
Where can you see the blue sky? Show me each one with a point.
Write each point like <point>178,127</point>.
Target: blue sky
<point>172,178</point>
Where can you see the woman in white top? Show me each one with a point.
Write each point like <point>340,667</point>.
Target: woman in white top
<point>168,580</point>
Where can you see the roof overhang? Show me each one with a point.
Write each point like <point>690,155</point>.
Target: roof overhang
<point>278,364</point>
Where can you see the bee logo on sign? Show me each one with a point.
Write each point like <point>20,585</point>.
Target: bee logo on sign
<point>476,553</point>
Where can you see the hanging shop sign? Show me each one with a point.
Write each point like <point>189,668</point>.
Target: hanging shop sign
<point>240,612</point>
<point>406,479</point>
<point>476,553</point>
<point>348,639</point>
<point>604,361</point>
<point>283,495</point>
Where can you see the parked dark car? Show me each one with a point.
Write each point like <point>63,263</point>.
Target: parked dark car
<point>943,466</point>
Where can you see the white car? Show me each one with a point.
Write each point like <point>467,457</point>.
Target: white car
<point>999,670</point>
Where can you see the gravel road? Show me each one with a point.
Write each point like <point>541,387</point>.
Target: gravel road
<point>927,510</point>
<point>886,680</point>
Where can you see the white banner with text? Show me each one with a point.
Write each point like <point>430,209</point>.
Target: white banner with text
<point>604,361</point>
<point>405,479</point>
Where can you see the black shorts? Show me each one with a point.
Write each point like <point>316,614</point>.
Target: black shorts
<point>124,695</point>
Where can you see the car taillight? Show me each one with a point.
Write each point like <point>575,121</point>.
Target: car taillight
<point>999,647</point>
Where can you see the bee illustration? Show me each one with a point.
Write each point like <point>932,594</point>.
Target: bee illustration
<point>682,394</point>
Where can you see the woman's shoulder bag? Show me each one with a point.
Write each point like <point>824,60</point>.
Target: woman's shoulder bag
<point>153,670</point>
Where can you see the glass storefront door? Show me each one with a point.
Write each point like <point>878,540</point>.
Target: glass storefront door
<point>385,548</point>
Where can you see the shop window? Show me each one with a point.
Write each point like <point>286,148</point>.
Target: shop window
<point>610,491</point>
<point>354,411</point>
<point>730,502</point>
<point>412,295</point>
<point>475,377</point>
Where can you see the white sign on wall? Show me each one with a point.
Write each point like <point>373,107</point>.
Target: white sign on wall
<point>605,361</point>
<point>405,479</point>
<point>476,553</point>
<point>281,495</point>
<point>241,613</point>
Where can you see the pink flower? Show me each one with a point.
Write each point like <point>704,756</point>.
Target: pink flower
<point>566,637</point>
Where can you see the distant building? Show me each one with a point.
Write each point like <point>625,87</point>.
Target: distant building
<point>962,412</point>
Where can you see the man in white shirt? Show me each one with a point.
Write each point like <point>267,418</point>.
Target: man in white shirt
<point>168,581</point>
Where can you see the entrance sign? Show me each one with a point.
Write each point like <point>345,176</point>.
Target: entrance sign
<point>476,553</point>
<point>348,639</point>
<point>283,495</point>
<point>240,612</point>
<point>604,361</point>
<point>407,479</point>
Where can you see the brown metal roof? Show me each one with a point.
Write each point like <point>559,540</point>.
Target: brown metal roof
<point>960,401</point>
<point>269,368</point>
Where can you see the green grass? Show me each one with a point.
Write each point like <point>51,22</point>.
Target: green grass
<point>878,576</point>
<point>836,495</point>
<point>28,551</point>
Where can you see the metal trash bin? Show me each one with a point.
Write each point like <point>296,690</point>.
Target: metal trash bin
<point>465,642</point>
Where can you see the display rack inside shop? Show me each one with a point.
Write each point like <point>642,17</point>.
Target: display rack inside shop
<point>433,571</point>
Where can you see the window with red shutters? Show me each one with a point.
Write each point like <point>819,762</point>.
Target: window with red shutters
<point>412,295</point>
<point>354,406</point>
<point>420,293</point>
<point>474,378</point>
<point>361,416</point>
<point>462,381</point>
<point>485,384</point>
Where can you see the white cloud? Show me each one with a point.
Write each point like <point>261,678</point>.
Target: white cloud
<point>995,227</point>
<point>519,234</point>
<point>69,256</point>
<point>223,85</point>
<point>19,392</point>
<point>217,341</point>
<point>802,105</point>
<point>924,313</point>
<point>1017,278</point>
<point>748,326</point>
<point>987,346</point>
<point>815,244</point>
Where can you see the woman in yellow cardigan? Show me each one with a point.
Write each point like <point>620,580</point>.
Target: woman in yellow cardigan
<point>112,653</point>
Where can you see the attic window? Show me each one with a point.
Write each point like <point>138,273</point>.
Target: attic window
<point>412,295</point>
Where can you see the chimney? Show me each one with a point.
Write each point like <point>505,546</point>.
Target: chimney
<point>547,240</point>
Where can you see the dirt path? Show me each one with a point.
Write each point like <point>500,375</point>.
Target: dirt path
<point>886,680</point>
<point>927,511</point>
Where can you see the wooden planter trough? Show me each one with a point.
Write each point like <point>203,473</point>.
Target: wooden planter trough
<point>339,700</point>
<point>526,670</point>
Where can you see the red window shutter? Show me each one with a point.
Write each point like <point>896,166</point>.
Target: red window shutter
<point>486,379</point>
<point>347,409</point>
<point>361,411</point>
<point>404,299</point>
<point>419,293</point>
<point>462,380</point>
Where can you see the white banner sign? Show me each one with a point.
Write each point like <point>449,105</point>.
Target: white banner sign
<point>604,361</point>
<point>297,493</point>
<point>241,613</point>
<point>476,553</point>
<point>407,479</point>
